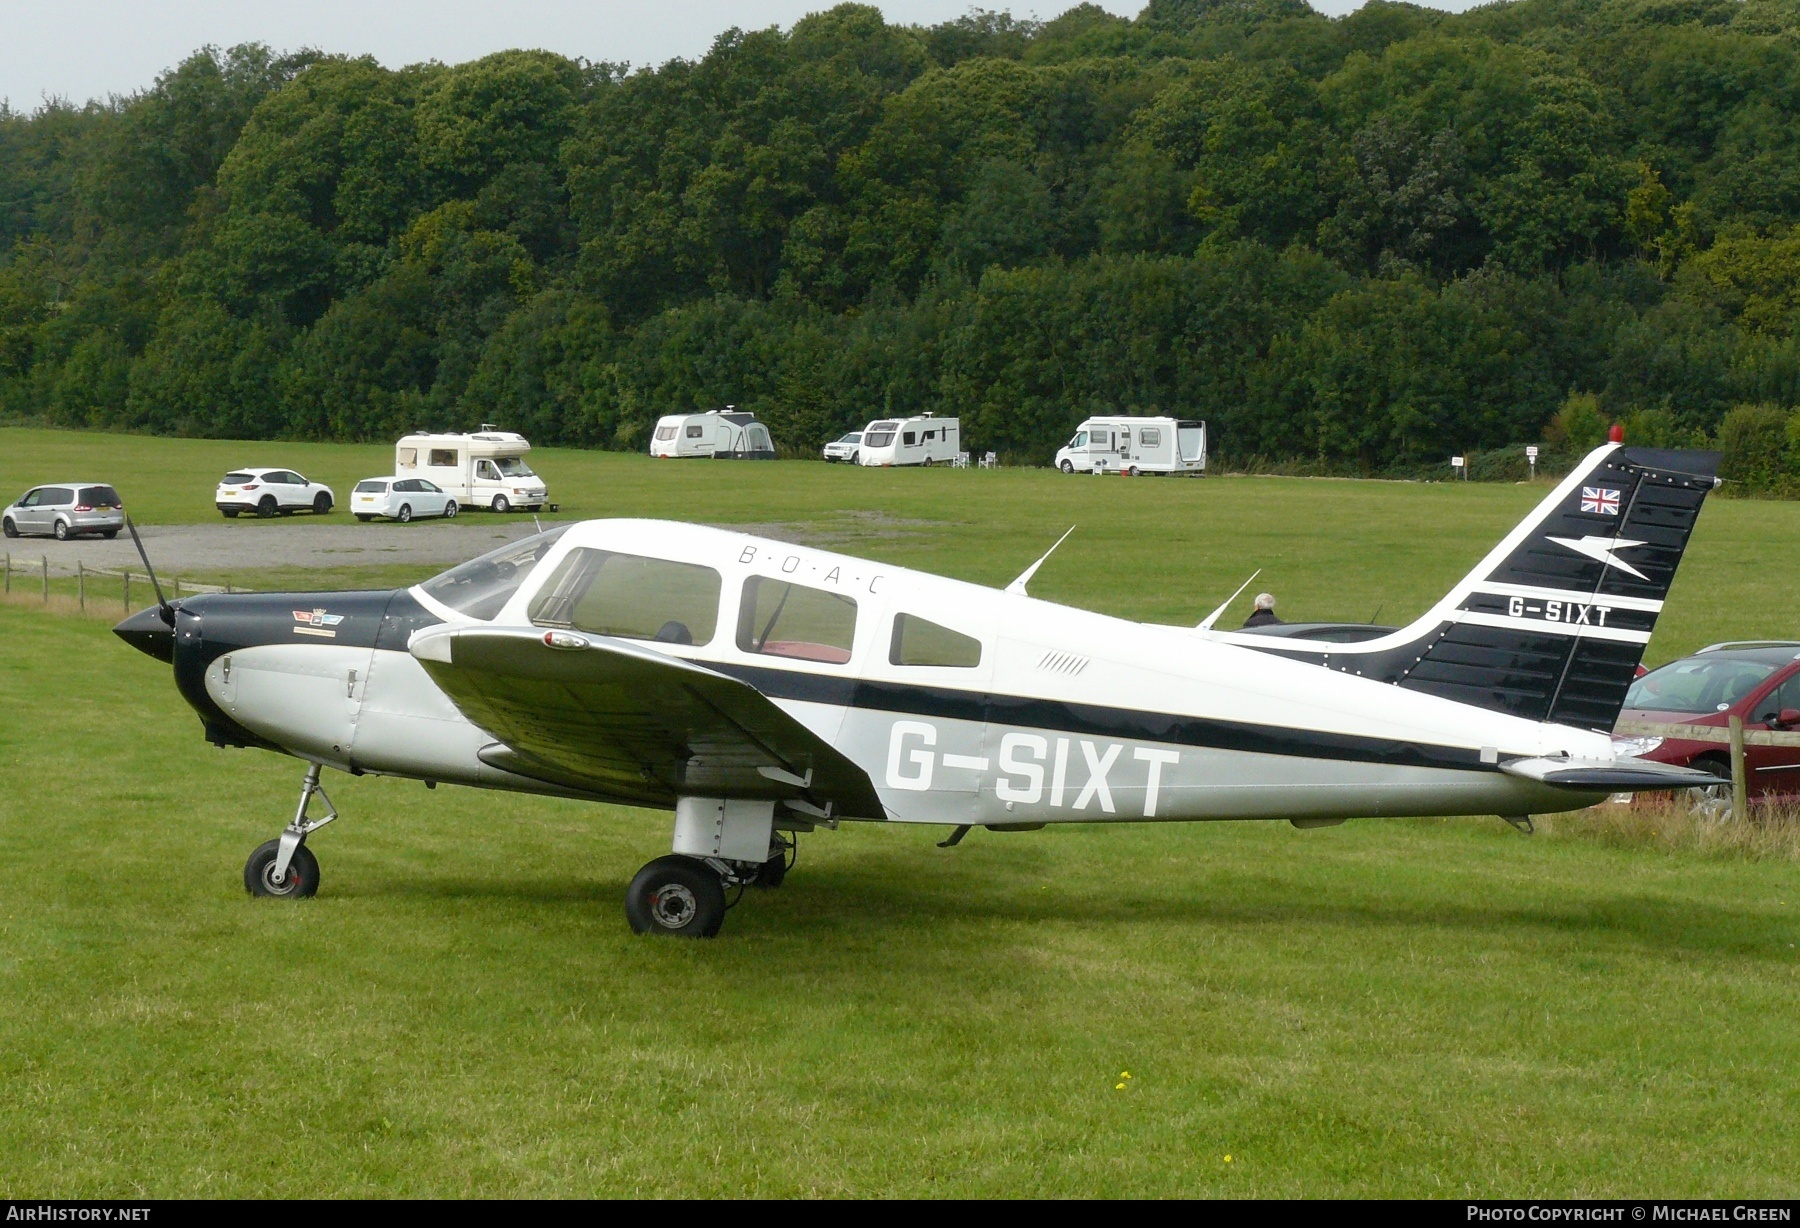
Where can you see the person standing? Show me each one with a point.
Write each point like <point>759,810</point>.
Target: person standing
<point>1264,613</point>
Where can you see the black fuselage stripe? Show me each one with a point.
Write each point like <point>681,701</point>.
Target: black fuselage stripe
<point>1094,720</point>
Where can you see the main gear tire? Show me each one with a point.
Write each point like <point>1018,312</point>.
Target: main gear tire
<point>677,897</point>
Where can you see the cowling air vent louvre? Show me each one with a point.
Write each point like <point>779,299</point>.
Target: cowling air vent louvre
<point>1064,663</point>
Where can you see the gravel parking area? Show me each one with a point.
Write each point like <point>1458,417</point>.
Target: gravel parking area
<point>250,546</point>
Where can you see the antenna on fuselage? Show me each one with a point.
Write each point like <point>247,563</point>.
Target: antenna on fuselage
<point>1018,586</point>
<point>162,604</point>
<point>1206,624</point>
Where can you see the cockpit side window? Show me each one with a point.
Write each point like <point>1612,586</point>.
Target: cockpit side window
<point>480,587</point>
<point>630,596</point>
<point>779,619</point>
<point>918,641</point>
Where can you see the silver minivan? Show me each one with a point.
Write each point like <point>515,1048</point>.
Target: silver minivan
<point>65,510</point>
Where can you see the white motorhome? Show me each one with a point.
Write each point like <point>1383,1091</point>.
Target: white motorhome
<point>925,440</point>
<point>1136,445</point>
<point>484,469</point>
<point>724,434</point>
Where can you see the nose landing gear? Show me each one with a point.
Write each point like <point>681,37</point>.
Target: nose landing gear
<point>284,868</point>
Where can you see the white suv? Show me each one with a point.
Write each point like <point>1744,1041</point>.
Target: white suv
<point>270,491</point>
<point>845,449</point>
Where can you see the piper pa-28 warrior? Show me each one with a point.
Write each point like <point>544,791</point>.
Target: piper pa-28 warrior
<point>759,690</point>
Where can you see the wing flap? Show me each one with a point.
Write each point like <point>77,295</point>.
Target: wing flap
<point>624,720</point>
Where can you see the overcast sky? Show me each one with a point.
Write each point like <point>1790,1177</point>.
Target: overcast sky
<point>80,49</point>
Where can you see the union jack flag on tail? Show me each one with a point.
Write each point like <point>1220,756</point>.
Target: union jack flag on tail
<point>1600,500</point>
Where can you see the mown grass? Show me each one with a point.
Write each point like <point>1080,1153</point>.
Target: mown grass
<point>1427,1008</point>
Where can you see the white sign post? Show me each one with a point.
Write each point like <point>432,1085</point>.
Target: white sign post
<point>1531,458</point>
<point>1456,462</point>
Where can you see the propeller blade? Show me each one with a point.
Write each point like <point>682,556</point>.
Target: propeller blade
<point>161,601</point>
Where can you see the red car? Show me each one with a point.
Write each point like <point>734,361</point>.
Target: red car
<point>1758,681</point>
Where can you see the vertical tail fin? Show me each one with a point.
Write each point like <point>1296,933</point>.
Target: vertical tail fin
<point>1551,625</point>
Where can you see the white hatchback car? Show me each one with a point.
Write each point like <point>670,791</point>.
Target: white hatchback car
<point>267,492</point>
<point>399,498</point>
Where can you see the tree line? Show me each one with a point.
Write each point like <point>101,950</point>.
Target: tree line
<point>1353,245</point>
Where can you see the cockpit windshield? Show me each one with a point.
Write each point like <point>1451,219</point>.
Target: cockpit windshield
<point>514,467</point>
<point>481,586</point>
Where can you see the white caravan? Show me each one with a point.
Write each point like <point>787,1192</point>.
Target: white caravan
<point>1136,445</point>
<point>724,434</point>
<point>485,469</point>
<point>925,440</point>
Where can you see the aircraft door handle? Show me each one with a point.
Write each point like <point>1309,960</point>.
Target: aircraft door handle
<point>350,689</point>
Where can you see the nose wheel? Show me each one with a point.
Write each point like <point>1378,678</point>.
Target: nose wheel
<point>284,868</point>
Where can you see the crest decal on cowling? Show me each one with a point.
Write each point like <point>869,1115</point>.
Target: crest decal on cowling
<point>316,622</point>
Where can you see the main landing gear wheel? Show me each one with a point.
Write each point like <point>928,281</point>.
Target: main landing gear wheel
<point>299,883</point>
<point>678,896</point>
<point>501,505</point>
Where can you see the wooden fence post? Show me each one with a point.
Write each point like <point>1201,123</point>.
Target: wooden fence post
<point>1740,786</point>
<point>81,585</point>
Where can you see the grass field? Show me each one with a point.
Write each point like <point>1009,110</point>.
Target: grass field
<point>1435,1008</point>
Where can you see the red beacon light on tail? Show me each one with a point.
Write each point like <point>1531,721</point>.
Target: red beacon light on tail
<point>1617,433</point>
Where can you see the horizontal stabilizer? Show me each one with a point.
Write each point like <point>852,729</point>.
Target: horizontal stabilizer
<point>1637,775</point>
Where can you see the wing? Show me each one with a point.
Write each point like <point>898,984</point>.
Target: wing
<point>617,718</point>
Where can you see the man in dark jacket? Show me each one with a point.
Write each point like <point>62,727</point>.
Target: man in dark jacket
<point>1264,613</point>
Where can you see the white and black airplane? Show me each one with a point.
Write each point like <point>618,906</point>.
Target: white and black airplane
<point>760,689</point>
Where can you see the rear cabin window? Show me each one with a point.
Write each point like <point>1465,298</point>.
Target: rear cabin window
<point>779,619</point>
<point>919,641</point>
<point>631,597</point>
<point>442,458</point>
<point>57,496</point>
<point>693,432</point>
<point>370,488</point>
<point>101,496</point>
